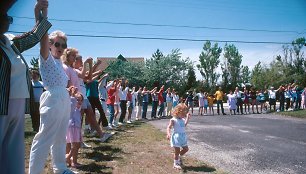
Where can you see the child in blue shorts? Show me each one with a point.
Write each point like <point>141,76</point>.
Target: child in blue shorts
<point>176,133</point>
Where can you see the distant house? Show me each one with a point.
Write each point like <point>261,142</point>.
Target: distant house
<point>106,60</point>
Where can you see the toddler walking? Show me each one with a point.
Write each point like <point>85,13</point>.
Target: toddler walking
<point>74,136</point>
<point>177,136</point>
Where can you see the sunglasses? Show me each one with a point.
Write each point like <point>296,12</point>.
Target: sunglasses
<point>8,18</point>
<point>64,45</point>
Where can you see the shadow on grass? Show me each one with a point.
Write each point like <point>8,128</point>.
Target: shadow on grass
<point>103,153</point>
<point>93,167</point>
<point>202,168</point>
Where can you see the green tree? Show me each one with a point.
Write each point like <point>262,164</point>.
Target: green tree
<point>129,70</point>
<point>245,74</point>
<point>209,61</point>
<point>256,74</point>
<point>191,79</point>
<point>34,62</point>
<point>170,70</point>
<point>232,64</point>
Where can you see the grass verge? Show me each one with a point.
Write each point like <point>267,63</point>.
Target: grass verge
<point>298,114</point>
<point>135,148</point>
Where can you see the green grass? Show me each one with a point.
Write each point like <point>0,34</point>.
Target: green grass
<point>135,148</point>
<point>297,114</point>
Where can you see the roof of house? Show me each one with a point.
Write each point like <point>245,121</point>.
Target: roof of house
<point>105,61</point>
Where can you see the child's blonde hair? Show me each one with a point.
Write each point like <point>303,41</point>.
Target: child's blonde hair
<point>68,52</point>
<point>180,108</point>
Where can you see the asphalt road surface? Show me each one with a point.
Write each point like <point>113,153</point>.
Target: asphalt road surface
<point>252,144</point>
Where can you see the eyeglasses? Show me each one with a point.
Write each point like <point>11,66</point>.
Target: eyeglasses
<point>64,45</point>
<point>8,18</point>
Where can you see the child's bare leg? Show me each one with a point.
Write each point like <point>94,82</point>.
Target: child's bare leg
<point>184,150</point>
<point>74,154</point>
<point>68,154</point>
<point>176,153</point>
<point>129,114</point>
<point>68,148</point>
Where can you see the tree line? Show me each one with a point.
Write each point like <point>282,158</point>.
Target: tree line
<point>172,70</point>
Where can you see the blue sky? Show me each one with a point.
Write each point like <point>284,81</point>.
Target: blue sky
<point>272,16</point>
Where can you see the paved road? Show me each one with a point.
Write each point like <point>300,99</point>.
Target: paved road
<point>240,144</point>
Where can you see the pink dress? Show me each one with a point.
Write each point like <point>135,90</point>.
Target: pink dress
<point>74,128</point>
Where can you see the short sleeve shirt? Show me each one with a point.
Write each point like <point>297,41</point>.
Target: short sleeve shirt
<point>52,72</point>
<point>219,95</point>
<point>72,75</point>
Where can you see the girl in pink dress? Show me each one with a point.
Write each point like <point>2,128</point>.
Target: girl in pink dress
<point>74,136</point>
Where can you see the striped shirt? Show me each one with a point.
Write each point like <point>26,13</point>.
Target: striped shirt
<point>20,44</point>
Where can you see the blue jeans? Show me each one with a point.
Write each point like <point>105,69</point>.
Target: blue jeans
<point>161,109</point>
<point>144,109</point>
<point>220,103</point>
<point>154,109</point>
<point>111,110</point>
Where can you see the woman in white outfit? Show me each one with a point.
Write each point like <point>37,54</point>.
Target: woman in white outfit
<point>54,107</point>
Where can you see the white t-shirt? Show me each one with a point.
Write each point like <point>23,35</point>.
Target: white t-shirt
<point>272,94</point>
<point>123,93</point>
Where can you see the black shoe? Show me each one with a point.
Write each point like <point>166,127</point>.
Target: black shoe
<point>224,113</point>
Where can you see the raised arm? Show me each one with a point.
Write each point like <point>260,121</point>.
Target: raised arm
<point>187,119</point>
<point>102,78</point>
<point>82,73</point>
<point>41,10</point>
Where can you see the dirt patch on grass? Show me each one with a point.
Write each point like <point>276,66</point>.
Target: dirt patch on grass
<point>135,148</point>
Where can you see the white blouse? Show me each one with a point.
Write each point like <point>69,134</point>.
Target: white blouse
<point>52,72</point>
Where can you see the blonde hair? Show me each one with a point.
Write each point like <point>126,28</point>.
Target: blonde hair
<point>180,108</point>
<point>68,52</point>
<point>57,33</point>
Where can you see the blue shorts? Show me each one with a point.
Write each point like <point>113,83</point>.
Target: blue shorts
<point>178,140</point>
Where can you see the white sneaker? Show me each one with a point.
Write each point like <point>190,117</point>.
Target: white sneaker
<point>84,145</point>
<point>120,123</point>
<point>106,136</point>
<point>177,166</point>
<point>129,122</point>
<point>109,127</point>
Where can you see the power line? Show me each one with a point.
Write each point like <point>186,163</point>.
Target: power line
<point>165,25</point>
<point>170,39</point>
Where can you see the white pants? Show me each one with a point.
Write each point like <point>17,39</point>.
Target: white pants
<point>138,112</point>
<point>165,108</point>
<point>169,108</point>
<point>12,138</point>
<point>55,111</point>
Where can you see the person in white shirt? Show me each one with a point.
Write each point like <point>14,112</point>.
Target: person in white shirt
<point>38,89</point>
<point>123,90</point>
<point>54,108</point>
<point>272,98</point>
